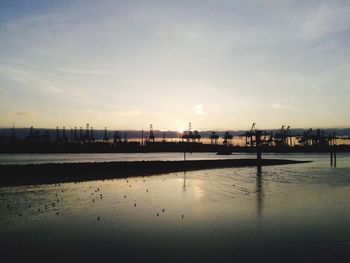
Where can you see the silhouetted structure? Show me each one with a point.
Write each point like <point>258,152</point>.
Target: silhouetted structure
<point>282,140</point>
<point>283,137</point>
<point>105,135</point>
<point>227,139</point>
<point>92,138</point>
<point>214,138</point>
<point>151,135</point>
<point>191,137</point>
<point>64,135</point>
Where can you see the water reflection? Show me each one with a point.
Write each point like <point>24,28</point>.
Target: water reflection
<point>259,191</point>
<point>211,216</point>
<point>184,185</point>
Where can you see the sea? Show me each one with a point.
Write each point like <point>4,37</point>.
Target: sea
<point>284,213</point>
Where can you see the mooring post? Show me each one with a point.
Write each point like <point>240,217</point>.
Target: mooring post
<point>258,148</point>
<point>331,154</point>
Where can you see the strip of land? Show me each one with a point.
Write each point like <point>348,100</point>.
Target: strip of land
<point>34,174</point>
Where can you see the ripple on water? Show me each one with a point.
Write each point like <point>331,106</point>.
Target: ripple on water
<point>303,206</point>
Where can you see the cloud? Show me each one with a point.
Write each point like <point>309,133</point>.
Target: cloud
<point>126,113</point>
<point>327,17</point>
<point>278,106</point>
<point>22,113</point>
<point>45,82</point>
<point>80,111</point>
<point>84,71</point>
<point>198,109</point>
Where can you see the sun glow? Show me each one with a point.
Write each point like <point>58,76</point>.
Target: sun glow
<point>180,130</point>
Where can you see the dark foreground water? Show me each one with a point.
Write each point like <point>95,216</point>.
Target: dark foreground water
<point>285,213</point>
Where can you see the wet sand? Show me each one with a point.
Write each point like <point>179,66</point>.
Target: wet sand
<point>34,174</point>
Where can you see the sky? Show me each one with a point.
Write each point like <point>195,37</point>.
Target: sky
<point>217,64</point>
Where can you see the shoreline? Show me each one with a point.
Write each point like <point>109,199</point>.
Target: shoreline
<point>51,173</point>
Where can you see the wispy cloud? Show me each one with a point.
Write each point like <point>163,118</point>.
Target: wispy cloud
<point>328,17</point>
<point>85,71</point>
<point>2,91</point>
<point>80,111</point>
<point>278,106</point>
<point>43,81</point>
<point>126,113</point>
<point>22,113</point>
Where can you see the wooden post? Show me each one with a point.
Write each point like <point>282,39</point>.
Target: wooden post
<point>331,154</point>
<point>142,138</point>
<point>258,148</point>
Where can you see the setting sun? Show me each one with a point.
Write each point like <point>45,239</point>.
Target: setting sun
<point>180,130</point>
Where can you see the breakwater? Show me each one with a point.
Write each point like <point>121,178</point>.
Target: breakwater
<point>74,172</point>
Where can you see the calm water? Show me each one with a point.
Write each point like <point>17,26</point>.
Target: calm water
<point>104,157</point>
<point>108,157</point>
<point>287,213</point>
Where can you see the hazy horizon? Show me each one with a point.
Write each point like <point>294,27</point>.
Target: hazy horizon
<point>160,132</point>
